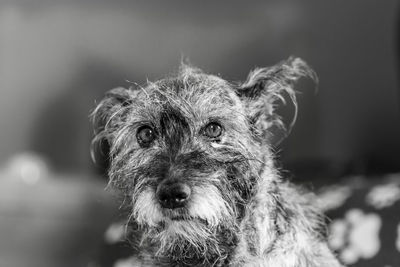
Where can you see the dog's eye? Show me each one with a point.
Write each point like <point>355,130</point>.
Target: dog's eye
<point>145,135</point>
<point>213,130</point>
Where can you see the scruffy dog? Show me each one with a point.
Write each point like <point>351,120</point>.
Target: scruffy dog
<point>191,154</point>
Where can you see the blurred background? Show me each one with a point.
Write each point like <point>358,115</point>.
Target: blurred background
<point>57,58</point>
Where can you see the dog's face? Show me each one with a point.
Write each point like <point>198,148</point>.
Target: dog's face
<point>188,151</point>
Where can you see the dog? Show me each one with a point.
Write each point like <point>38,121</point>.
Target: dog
<point>192,157</point>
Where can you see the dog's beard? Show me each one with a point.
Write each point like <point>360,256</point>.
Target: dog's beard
<point>201,233</point>
<point>189,242</point>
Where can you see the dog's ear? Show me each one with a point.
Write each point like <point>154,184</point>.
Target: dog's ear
<point>112,109</point>
<point>108,115</point>
<point>265,89</point>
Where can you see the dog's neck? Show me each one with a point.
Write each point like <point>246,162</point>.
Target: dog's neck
<point>258,228</point>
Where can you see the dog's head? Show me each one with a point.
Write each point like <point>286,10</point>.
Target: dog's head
<point>188,150</point>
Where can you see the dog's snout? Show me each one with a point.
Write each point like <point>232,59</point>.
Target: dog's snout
<point>173,195</point>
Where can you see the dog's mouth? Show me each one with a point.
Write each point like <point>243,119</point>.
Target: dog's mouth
<point>183,219</point>
<point>181,214</point>
<point>180,218</point>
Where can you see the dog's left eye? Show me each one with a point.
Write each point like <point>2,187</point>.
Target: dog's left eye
<point>213,130</point>
<point>145,135</point>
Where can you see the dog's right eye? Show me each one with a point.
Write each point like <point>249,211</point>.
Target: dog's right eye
<point>145,135</point>
<point>213,130</point>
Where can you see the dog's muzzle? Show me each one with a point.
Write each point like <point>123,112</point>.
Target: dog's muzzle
<point>172,195</point>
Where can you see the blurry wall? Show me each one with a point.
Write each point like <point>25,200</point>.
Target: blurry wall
<point>57,57</point>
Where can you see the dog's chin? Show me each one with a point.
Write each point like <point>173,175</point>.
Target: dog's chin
<point>185,236</point>
<point>183,239</point>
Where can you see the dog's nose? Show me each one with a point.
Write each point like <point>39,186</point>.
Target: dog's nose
<point>174,195</point>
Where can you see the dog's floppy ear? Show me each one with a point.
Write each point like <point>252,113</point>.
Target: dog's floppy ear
<point>265,89</point>
<point>112,109</point>
<point>108,115</point>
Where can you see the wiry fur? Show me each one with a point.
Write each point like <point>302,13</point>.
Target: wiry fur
<point>240,213</point>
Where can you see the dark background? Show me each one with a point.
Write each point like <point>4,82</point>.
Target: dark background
<point>57,57</point>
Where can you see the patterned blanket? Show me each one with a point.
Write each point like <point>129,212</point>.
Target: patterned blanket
<point>364,220</point>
